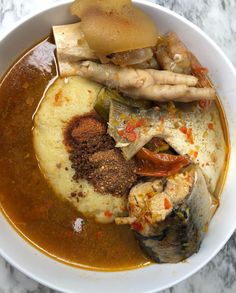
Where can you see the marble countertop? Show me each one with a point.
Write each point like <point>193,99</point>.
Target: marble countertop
<point>218,19</point>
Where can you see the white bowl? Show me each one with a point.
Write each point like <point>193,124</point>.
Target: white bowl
<point>155,277</point>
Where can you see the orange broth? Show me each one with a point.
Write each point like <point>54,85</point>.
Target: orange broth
<point>25,197</point>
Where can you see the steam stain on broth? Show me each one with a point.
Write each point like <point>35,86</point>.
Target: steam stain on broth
<point>29,203</point>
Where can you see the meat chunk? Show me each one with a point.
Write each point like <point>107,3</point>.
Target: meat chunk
<point>111,172</point>
<point>152,202</point>
<point>173,55</point>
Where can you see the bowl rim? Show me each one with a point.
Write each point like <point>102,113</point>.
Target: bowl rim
<point>226,60</point>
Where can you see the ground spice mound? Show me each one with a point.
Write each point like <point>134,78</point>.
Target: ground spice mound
<point>94,157</point>
<point>112,172</point>
<point>83,129</point>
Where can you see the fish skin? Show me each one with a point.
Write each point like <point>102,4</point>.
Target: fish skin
<point>207,148</point>
<point>175,239</point>
<point>144,132</point>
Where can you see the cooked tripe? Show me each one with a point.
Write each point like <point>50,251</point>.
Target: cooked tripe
<point>65,99</point>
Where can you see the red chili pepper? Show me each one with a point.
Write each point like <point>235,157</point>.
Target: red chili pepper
<point>132,136</point>
<point>183,129</point>
<point>108,214</point>
<point>167,203</point>
<point>129,131</point>
<point>190,136</point>
<point>137,226</point>
<point>129,127</point>
<point>159,164</point>
<point>121,133</point>
<point>139,123</point>
<point>132,125</point>
<point>210,126</point>
<point>200,70</point>
<point>188,132</point>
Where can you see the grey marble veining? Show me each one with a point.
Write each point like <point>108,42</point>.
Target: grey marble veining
<point>218,19</point>
<point>215,17</point>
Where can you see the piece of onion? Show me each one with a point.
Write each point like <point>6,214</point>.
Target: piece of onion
<point>114,26</point>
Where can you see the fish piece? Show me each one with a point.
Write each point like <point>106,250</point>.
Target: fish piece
<point>71,47</point>
<point>151,202</point>
<point>187,128</point>
<point>120,115</point>
<point>171,216</point>
<point>199,134</point>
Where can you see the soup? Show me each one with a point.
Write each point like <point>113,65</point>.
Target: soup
<point>111,159</point>
<point>27,200</point>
